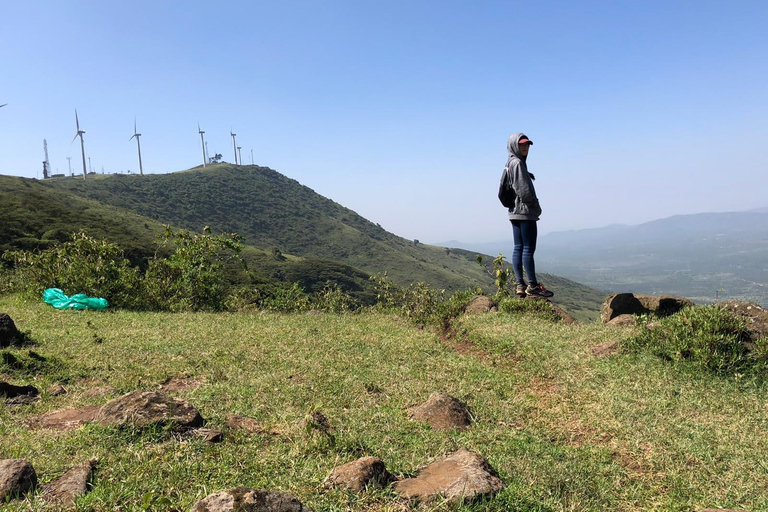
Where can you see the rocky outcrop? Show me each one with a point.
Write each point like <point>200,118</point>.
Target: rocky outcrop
<point>638,304</point>
<point>442,411</point>
<point>64,490</point>
<point>624,320</point>
<point>463,476</point>
<point>480,304</point>
<point>9,335</point>
<point>17,478</point>
<point>755,316</point>
<point>143,408</point>
<point>66,419</point>
<point>359,474</point>
<point>242,499</point>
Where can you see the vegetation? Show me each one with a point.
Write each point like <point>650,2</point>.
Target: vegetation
<point>564,430</point>
<point>709,337</point>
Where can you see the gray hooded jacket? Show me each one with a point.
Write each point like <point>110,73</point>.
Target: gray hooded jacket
<point>516,173</point>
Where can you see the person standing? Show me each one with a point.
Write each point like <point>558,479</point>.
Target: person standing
<point>524,212</point>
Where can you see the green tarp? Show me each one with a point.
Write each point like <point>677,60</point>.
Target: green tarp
<point>56,298</point>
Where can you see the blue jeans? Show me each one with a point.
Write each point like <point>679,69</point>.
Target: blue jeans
<point>525,233</point>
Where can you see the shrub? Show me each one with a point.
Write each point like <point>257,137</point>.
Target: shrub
<point>706,336</point>
<point>541,308</point>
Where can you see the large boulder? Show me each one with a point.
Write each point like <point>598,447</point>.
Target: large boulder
<point>9,335</point>
<point>65,489</point>
<point>442,412</point>
<point>639,304</point>
<point>17,478</point>
<point>242,499</point>
<point>359,474</point>
<point>143,408</point>
<point>463,476</point>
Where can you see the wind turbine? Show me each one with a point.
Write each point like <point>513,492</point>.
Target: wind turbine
<point>251,157</point>
<point>234,144</point>
<point>82,144</point>
<point>137,135</point>
<point>240,155</point>
<point>202,142</point>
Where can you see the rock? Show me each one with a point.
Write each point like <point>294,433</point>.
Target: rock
<point>754,314</point>
<point>606,349</point>
<point>9,335</point>
<point>242,499</point>
<point>442,411</point>
<point>624,320</point>
<point>565,317</point>
<point>57,390</point>
<point>208,435</point>
<point>67,419</point>
<point>65,489</point>
<point>480,304</point>
<point>638,304</point>
<point>463,476</point>
<point>250,425</point>
<point>17,478</point>
<point>142,408</point>
<point>359,474</point>
<point>12,391</point>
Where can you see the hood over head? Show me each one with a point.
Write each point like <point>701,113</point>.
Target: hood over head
<point>513,145</point>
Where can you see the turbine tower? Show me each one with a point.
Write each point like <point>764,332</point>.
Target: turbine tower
<point>69,163</point>
<point>46,163</point>
<point>138,144</point>
<point>82,144</point>
<point>202,142</point>
<point>234,144</point>
<point>251,157</point>
<point>240,155</point>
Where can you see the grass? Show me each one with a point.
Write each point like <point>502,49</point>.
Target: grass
<point>565,430</point>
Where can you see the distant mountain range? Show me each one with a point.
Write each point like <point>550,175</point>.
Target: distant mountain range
<point>706,256</point>
<point>292,233</point>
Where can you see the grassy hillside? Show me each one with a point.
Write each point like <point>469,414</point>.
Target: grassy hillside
<point>566,431</point>
<point>273,211</point>
<point>293,233</point>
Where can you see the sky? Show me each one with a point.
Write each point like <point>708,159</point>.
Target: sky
<point>401,110</point>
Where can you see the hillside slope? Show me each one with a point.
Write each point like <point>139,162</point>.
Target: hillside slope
<point>273,211</point>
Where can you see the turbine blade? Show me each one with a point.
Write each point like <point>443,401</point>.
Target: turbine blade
<point>134,125</point>
<point>4,104</point>
<point>132,136</point>
<point>77,121</point>
<point>75,137</point>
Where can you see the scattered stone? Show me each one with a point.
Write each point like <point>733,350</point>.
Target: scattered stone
<point>67,419</point>
<point>142,408</point>
<point>17,478</point>
<point>480,304</point>
<point>442,411</point>
<point>606,349</point>
<point>208,435</point>
<point>57,390</point>
<point>11,391</point>
<point>755,316</point>
<point>250,425</point>
<point>624,320</point>
<point>359,474</point>
<point>639,304</point>
<point>242,499</point>
<point>65,489</point>
<point>463,476</point>
<point>565,317</point>
<point>9,335</point>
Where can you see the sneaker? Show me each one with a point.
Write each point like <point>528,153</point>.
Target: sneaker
<point>520,290</point>
<point>538,291</point>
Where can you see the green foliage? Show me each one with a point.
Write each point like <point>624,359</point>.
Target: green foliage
<point>333,299</point>
<point>540,308</point>
<point>82,265</point>
<point>191,278</point>
<point>709,337</point>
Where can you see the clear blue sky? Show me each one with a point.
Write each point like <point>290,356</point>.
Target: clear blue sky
<point>400,110</point>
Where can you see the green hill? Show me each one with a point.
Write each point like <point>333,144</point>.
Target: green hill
<point>275,214</point>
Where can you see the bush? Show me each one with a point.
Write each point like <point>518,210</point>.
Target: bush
<point>707,336</point>
<point>541,308</point>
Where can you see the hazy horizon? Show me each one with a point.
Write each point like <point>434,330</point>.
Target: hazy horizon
<point>401,111</point>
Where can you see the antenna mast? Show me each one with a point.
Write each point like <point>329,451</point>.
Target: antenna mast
<point>46,163</point>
